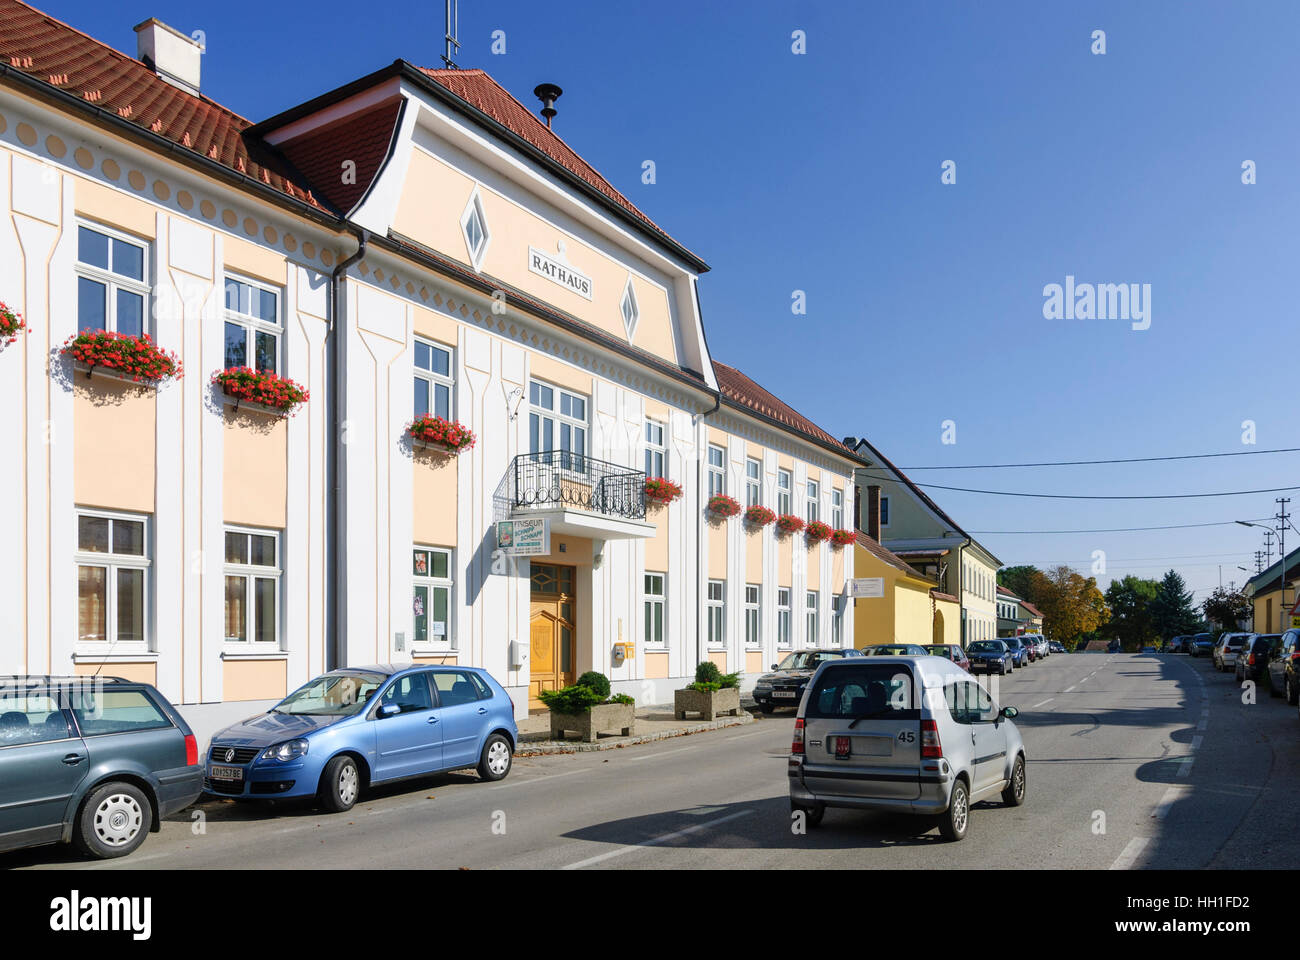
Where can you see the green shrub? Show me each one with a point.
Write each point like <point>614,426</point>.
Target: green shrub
<point>596,681</point>
<point>707,672</point>
<point>728,680</point>
<point>704,686</point>
<point>571,700</point>
<point>622,698</point>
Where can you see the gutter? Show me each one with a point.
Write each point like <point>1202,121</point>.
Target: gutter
<point>699,537</point>
<point>335,521</point>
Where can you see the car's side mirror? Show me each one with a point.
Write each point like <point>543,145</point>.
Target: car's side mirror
<point>1009,712</point>
<point>774,666</point>
<point>388,710</point>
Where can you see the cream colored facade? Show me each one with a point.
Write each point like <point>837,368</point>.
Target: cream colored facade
<point>195,472</point>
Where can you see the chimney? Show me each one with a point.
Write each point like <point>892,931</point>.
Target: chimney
<point>873,513</point>
<point>169,53</point>
<point>548,93</point>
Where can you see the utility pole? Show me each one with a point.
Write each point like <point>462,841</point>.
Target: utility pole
<point>1268,548</point>
<point>1282,520</point>
<point>1259,561</point>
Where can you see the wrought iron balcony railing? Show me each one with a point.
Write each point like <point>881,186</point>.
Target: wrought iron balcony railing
<point>561,479</point>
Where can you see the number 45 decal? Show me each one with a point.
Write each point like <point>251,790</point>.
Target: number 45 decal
<point>907,736</point>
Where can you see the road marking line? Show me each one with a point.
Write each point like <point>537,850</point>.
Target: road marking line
<point>549,776</point>
<point>1185,767</point>
<point>1041,702</point>
<point>1068,689</point>
<point>655,841</point>
<point>1196,743</point>
<point>1131,852</point>
<point>1205,719</point>
<point>1167,802</point>
<point>655,756</point>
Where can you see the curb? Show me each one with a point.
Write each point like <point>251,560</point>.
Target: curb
<point>541,748</point>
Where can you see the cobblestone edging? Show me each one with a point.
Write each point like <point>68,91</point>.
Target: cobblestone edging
<point>539,748</point>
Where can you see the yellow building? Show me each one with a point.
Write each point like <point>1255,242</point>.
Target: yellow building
<point>1265,593</point>
<point>905,606</point>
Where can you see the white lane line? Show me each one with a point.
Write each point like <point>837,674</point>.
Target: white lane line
<point>1196,743</point>
<point>1068,689</point>
<point>655,841</point>
<point>1041,703</point>
<point>1203,722</point>
<point>1131,852</point>
<point>656,756</point>
<point>1185,768</point>
<point>522,783</point>
<point>1167,802</point>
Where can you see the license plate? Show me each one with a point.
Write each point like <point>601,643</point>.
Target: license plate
<point>226,773</point>
<point>783,693</point>
<point>842,748</point>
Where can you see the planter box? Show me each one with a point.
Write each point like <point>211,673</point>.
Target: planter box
<point>709,704</point>
<point>617,718</point>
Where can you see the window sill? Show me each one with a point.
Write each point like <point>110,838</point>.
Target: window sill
<point>82,655</point>
<point>241,653</point>
<point>99,371</point>
<point>239,404</point>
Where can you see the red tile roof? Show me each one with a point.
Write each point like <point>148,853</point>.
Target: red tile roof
<point>483,93</point>
<point>1031,608</point>
<point>940,595</point>
<point>364,138</point>
<point>64,58</point>
<point>888,556</point>
<point>743,391</point>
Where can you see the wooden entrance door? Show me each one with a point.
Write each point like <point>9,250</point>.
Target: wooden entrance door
<point>552,630</point>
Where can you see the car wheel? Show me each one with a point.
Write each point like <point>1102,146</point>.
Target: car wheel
<point>340,784</point>
<point>494,763</point>
<point>1002,670</point>
<point>955,821</point>
<point>114,820</point>
<point>767,707</point>
<point>812,815</point>
<point>1014,794</point>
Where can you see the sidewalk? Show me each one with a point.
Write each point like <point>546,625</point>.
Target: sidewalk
<point>653,722</point>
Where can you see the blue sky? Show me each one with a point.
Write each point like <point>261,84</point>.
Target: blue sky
<point>821,173</point>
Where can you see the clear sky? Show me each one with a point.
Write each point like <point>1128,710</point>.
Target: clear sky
<point>821,172</point>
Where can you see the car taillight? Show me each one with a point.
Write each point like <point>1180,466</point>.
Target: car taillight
<point>191,750</point>
<point>1295,657</point>
<point>930,745</point>
<point>797,745</point>
<point>1250,661</point>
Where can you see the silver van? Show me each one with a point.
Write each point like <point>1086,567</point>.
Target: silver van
<point>907,734</point>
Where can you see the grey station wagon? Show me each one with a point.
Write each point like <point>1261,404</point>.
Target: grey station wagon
<point>906,734</point>
<point>95,761</point>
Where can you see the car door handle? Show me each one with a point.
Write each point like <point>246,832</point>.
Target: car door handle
<point>432,720</point>
<point>73,759</point>
<point>482,710</point>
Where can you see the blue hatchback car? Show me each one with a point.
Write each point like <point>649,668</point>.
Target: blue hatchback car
<point>358,726</point>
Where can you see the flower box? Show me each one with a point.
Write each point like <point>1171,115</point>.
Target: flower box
<point>616,718</point>
<point>447,435</point>
<point>723,506</point>
<point>790,523</point>
<point>261,387</point>
<point>842,538</point>
<point>11,324</point>
<point>132,358</point>
<point>818,531</point>
<point>661,490</point>
<point>709,704</point>
<point>760,516</point>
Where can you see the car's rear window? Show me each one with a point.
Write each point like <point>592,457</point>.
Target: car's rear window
<point>863,689</point>
<point>116,711</point>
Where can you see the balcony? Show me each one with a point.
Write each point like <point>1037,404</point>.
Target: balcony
<point>580,495</point>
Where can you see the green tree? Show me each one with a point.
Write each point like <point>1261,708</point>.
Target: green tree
<point>1019,580</point>
<point>1131,618</point>
<point>1172,612</point>
<point>1071,604</point>
<point>1227,608</point>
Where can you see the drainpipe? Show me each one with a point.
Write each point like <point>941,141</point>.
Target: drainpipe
<point>336,509</point>
<point>699,544</point>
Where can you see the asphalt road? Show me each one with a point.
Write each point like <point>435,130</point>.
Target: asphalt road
<point>1134,762</point>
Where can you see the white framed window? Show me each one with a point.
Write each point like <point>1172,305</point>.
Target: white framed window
<point>753,482</point>
<point>837,621</point>
<point>813,604</point>
<point>814,500</point>
<point>113,566</point>
<point>474,227</point>
<point>654,610</point>
<point>784,488</point>
<point>112,281</point>
<point>434,379</point>
<point>252,571</point>
<point>884,511</point>
<point>716,612</point>
<point>753,618</point>
<point>557,421</point>
<point>717,470</point>
<point>432,592</point>
<point>656,452</point>
<point>253,325</point>
<point>783,619</point>
<point>837,509</point>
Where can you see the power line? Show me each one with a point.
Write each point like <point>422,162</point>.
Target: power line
<point>1094,496</point>
<point>1172,526</point>
<point>1081,463</point>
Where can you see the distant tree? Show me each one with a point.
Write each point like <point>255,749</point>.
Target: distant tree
<point>1172,611</point>
<point>1131,619</point>
<point>1071,603</point>
<point>1019,580</point>
<point>1227,608</point>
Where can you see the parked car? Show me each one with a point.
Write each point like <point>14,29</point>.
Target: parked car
<point>1252,662</point>
<point>871,735</point>
<point>354,727</point>
<point>1284,667</point>
<point>991,655</point>
<point>1202,645</point>
<point>1019,651</point>
<point>784,685</point>
<point>1178,644</point>
<point>1148,649</point>
<point>1225,651</point>
<point>97,762</point>
<point>1041,647</point>
<point>895,650</point>
<point>952,652</point>
<point>1114,647</point>
<point>1056,646</point>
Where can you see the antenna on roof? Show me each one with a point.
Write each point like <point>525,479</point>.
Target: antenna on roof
<point>453,28</point>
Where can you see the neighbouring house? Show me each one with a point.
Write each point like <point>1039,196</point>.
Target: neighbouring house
<point>1031,616</point>
<point>1272,608</point>
<point>905,606</point>
<point>1010,621</point>
<point>485,329</point>
<point>899,515</point>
